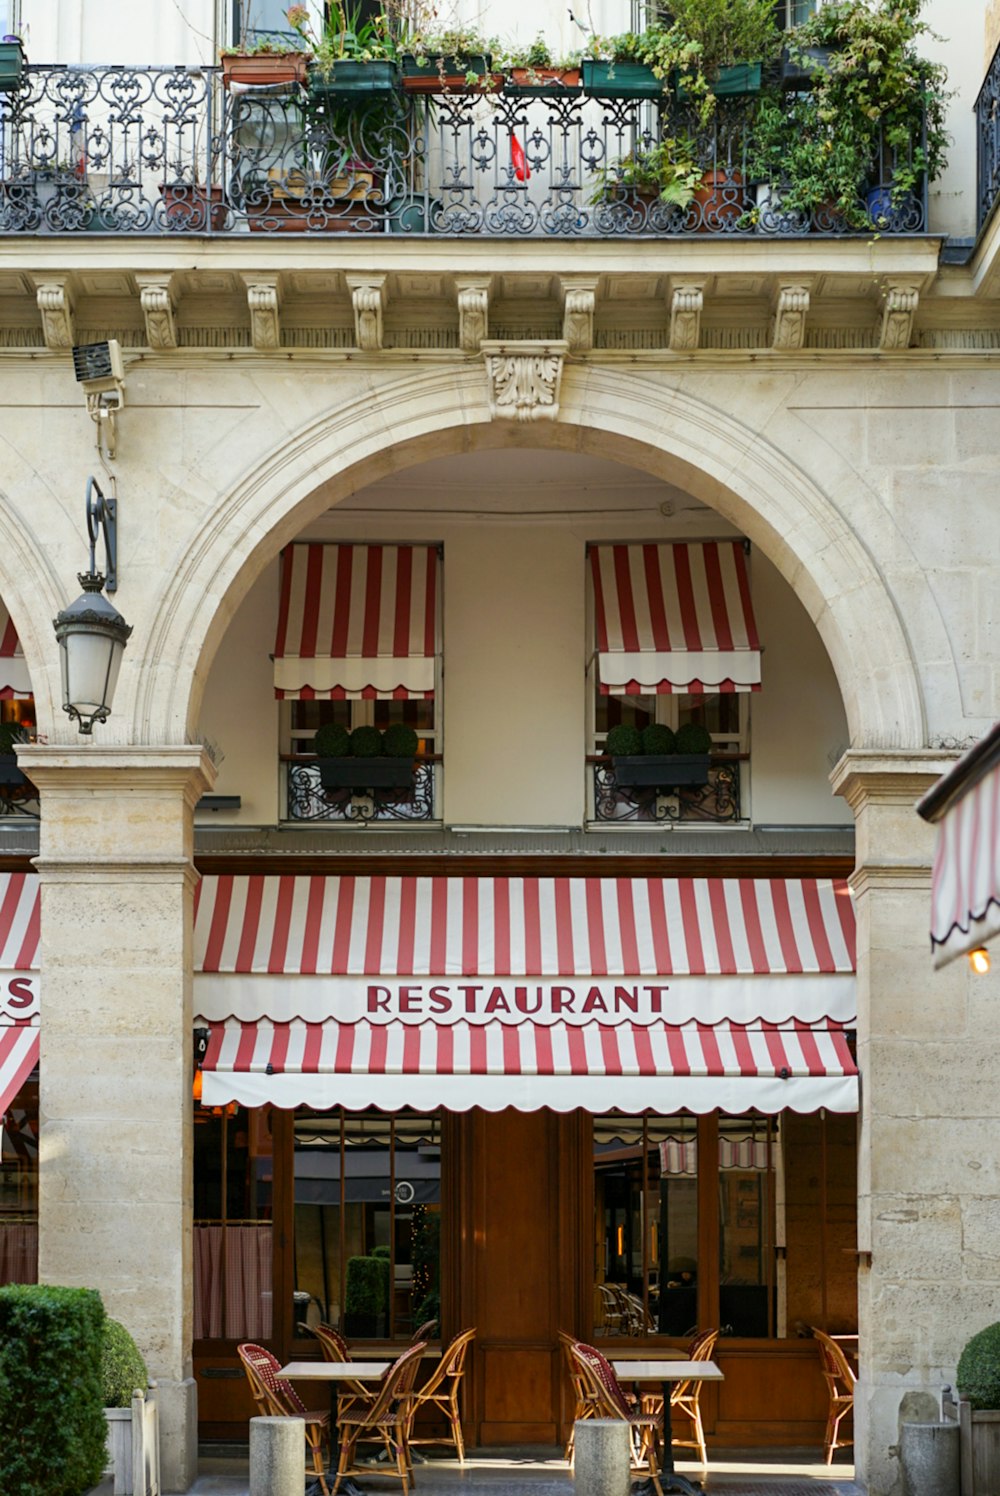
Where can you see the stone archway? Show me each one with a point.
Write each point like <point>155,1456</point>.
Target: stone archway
<point>745,474</point>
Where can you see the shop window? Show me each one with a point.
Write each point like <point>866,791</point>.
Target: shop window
<point>748,1154</point>
<point>233,1232</point>
<point>19,1187</point>
<point>367,1189</point>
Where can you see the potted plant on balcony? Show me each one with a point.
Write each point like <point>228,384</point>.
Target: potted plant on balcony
<point>12,63</point>
<point>531,72</point>
<point>712,49</point>
<point>617,67</point>
<point>353,56</point>
<point>366,759</point>
<point>266,62</point>
<point>658,758</point>
<point>664,174</point>
<point>457,61</point>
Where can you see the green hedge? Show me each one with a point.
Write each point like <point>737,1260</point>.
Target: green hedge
<point>978,1377</point>
<point>122,1367</point>
<point>53,1433</point>
<point>367,1283</point>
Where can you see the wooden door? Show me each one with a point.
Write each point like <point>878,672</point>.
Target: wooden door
<point>518,1261</point>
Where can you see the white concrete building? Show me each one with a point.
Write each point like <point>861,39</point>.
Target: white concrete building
<point>743,471</point>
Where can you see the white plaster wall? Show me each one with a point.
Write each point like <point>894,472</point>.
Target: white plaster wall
<point>109,31</point>
<point>959,45</point>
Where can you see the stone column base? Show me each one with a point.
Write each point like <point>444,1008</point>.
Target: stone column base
<point>177,1405</point>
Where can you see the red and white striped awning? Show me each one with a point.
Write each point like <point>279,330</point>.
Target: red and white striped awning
<point>965,889</point>
<point>15,683</point>
<point>356,621</point>
<point>19,924</point>
<point>18,1057</point>
<point>663,1067</point>
<point>674,618</point>
<point>527,991</point>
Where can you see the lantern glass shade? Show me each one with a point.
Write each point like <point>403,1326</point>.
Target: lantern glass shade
<point>92,636</point>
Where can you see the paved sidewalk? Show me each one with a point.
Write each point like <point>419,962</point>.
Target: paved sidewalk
<point>542,1472</point>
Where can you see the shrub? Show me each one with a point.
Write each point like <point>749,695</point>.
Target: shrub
<point>11,733</point>
<point>623,741</point>
<point>367,1281</point>
<point>122,1367</point>
<point>693,738</point>
<point>658,738</point>
<point>400,741</point>
<point>332,741</point>
<point>366,742</point>
<point>978,1377</point>
<point>53,1433</point>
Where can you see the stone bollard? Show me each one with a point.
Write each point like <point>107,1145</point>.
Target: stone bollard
<point>928,1458</point>
<point>277,1456</point>
<point>601,1459</point>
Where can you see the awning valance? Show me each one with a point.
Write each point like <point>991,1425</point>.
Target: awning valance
<point>356,621</point>
<point>18,1057</point>
<point>965,889</point>
<point>665,1068</point>
<point>674,618</point>
<point>557,992</point>
<point>15,683</point>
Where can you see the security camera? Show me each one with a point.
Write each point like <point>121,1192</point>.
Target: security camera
<point>99,368</point>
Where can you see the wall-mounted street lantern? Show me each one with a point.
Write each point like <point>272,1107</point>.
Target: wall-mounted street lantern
<point>91,633</point>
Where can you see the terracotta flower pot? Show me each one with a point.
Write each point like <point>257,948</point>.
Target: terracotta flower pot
<point>720,201</point>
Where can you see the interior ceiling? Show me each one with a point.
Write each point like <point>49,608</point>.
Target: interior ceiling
<point>530,482</point>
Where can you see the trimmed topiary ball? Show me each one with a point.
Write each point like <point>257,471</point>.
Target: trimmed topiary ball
<point>978,1377</point>
<point>693,738</point>
<point>659,739</point>
<point>400,741</point>
<point>366,742</point>
<point>332,741</point>
<point>122,1367</point>
<point>623,741</point>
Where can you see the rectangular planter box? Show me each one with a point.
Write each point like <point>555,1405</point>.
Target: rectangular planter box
<point>366,773</point>
<point>450,76</point>
<point>348,77</point>
<point>661,771</point>
<point>543,83</point>
<point>265,69</point>
<point>732,82</point>
<point>619,80</point>
<point>193,209</point>
<point>11,65</point>
<point>979,1444</point>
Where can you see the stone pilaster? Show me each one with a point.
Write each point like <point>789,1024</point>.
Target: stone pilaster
<point>117,880</point>
<point>928,1042</point>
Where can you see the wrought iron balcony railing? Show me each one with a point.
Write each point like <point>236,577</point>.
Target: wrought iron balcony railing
<point>307,800</point>
<point>168,150</point>
<point>715,803</point>
<point>988,143</point>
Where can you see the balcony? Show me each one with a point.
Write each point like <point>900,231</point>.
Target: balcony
<point>168,151</point>
<point>307,800</point>
<point>988,143</point>
<point>714,803</point>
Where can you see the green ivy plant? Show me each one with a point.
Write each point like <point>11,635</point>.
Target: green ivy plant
<point>705,36</point>
<point>667,170</point>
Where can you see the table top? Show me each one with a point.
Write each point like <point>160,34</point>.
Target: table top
<point>335,1371</point>
<point>668,1371</point>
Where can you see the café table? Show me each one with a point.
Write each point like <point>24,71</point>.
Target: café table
<point>665,1370</point>
<point>336,1372</point>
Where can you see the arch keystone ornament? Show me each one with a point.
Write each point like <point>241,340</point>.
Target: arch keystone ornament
<point>523,378</point>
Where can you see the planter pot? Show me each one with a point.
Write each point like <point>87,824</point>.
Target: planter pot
<point>448,74</point>
<point>119,1460</point>
<point>537,83</point>
<point>979,1445</point>
<point>265,69</point>
<point>773,217</point>
<point>366,773</point>
<point>720,201</point>
<point>619,80</point>
<point>12,61</point>
<point>187,207</point>
<point>732,82</point>
<point>661,770</point>
<point>878,201</point>
<point>802,74</point>
<point>349,77</point>
<point>334,207</point>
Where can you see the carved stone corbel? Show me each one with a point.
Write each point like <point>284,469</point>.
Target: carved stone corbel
<point>899,307</point>
<point>56,306</point>
<point>791,311</point>
<point>523,378</point>
<point>264,301</point>
<point>368,297</point>
<point>158,309</point>
<point>687,301</point>
<point>579,298</point>
<point>473,310</point>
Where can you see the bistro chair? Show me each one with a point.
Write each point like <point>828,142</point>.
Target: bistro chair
<point>425,1331</point>
<point>840,1381</point>
<point>611,1402</point>
<point>335,1348</point>
<point>441,1391</point>
<point>385,1421</point>
<point>277,1398</point>
<point>685,1397</point>
<point>584,1402</point>
<point>611,1317</point>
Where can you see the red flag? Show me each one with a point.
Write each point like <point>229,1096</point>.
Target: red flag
<point>519,160</point>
